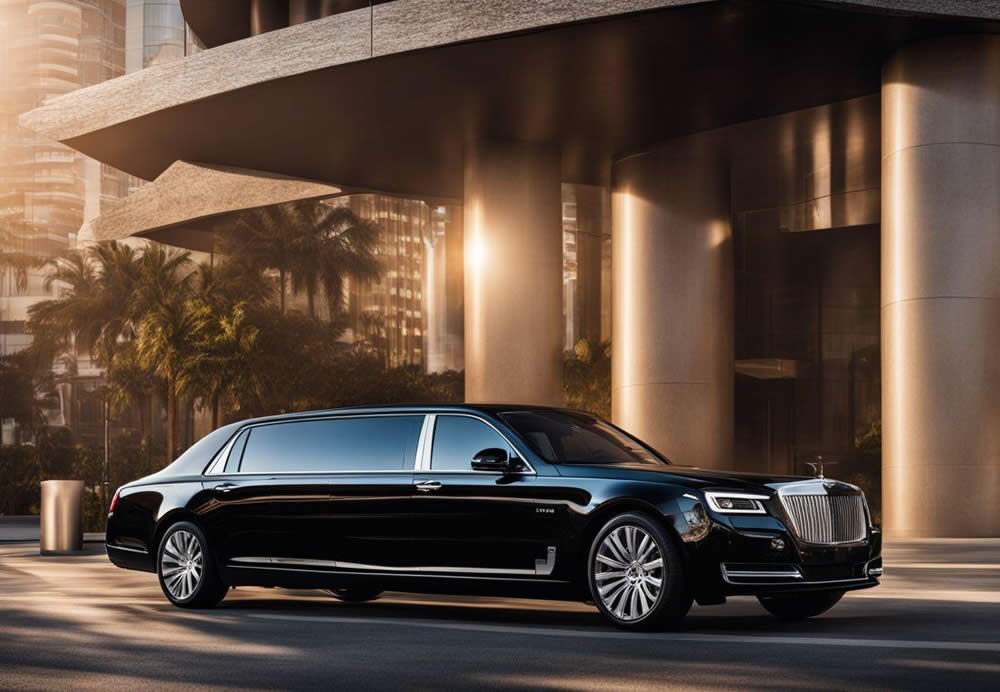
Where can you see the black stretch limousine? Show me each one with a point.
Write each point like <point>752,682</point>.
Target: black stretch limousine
<point>489,500</point>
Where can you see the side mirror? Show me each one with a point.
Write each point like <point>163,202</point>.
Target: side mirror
<point>496,460</point>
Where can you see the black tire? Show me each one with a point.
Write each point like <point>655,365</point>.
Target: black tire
<point>668,604</point>
<point>356,594</point>
<point>800,606</point>
<point>205,588</point>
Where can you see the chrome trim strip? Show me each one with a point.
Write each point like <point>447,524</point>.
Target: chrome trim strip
<point>726,575</point>
<point>764,575</point>
<point>423,460</point>
<point>543,568</point>
<point>759,574</point>
<point>376,574</point>
<point>816,486</point>
<point>141,551</point>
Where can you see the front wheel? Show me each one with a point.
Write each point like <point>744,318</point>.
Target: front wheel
<point>636,573</point>
<point>187,572</point>
<point>800,606</point>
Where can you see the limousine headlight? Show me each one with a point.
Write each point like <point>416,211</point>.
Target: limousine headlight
<point>735,503</point>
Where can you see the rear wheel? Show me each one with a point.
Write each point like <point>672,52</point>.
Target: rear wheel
<point>356,594</point>
<point>636,574</point>
<point>187,572</point>
<point>800,606</point>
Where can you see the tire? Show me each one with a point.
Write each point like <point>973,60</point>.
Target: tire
<point>650,591</point>
<point>356,594</point>
<point>187,572</point>
<point>793,607</point>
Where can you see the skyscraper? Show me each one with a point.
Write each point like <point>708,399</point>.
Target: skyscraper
<point>49,49</point>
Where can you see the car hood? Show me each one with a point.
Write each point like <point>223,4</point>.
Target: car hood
<point>688,476</point>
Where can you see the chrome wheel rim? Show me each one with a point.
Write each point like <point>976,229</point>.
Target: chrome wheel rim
<point>629,572</point>
<point>182,564</point>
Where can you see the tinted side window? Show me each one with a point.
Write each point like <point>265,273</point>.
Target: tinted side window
<point>386,443</point>
<point>458,438</point>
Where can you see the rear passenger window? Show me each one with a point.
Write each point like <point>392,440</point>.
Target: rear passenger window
<point>384,443</point>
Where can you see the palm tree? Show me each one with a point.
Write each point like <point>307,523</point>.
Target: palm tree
<point>131,386</point>
<point>336,244</point>
<point>223,358</point>
<point>95,310</point>
<point>268,238</point>
<point>14,270</point>
<point>166,324</point>
<point>225,340</point>
<point>96,307</point>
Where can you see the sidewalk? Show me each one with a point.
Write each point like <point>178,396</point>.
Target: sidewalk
<point>26,529</point>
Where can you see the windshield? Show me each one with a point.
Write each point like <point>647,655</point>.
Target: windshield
<point>574,437</point>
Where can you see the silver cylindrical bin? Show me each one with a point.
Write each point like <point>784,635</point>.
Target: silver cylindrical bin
<point>62,517</point>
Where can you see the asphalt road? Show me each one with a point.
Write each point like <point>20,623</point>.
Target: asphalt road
<point>80,623</point>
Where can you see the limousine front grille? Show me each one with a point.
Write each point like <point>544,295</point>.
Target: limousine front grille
<point>827,518</point>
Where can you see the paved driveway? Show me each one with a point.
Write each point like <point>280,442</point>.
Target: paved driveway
<point>80,623</point>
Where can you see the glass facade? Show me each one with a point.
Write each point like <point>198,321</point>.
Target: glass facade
<point>47,190</point>
<point>808,380</point>
<point>586,227</point>
<point>49,49</point>
<point>157,33</point>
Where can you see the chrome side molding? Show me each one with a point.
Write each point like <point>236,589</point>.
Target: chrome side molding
<point>543,568</point>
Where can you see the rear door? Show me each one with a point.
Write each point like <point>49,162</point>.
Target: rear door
<point>338,487</point>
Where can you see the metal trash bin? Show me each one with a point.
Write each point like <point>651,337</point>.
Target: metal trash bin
<point>62,517</point>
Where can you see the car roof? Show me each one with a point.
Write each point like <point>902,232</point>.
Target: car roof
<point>490,409</point>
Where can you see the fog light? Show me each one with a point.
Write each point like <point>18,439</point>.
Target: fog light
<point>777,544</point>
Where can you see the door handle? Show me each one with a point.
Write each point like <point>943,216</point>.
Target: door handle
<point>225,487</point>
<point>427,486</point>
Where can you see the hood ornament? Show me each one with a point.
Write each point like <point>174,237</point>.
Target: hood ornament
<point>817,467</point>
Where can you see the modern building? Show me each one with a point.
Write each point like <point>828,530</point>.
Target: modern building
<point>48,190</point>
<point>389,314</point>
<point>50,49</point>
<point>155,33</point>
<point>804,203</point>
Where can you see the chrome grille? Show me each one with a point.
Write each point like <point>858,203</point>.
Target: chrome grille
<point>827,518</point>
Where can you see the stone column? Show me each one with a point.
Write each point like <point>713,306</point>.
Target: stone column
<point>672,314</point>
<point>513,274</point>
<point>941,288</point>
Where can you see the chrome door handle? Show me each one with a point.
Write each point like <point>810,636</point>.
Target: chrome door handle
<point>225,487</point>
<point>427,486</point>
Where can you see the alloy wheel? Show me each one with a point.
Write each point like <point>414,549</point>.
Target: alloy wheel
<point>629,572</point>
<point>182,564</point>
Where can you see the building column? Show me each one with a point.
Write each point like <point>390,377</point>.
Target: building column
<point>267,15</point>
<point>513,274</point>
<point>941,288</point>
<point>672,294</point>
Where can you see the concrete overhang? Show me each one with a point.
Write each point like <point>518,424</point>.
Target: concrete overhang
<point>188,201</point>
<point>386,98</point>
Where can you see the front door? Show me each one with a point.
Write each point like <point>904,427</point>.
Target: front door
<point>483,523</point>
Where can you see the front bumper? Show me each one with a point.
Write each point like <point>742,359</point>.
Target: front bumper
<point>738,557</point>
<point>758,578</point>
